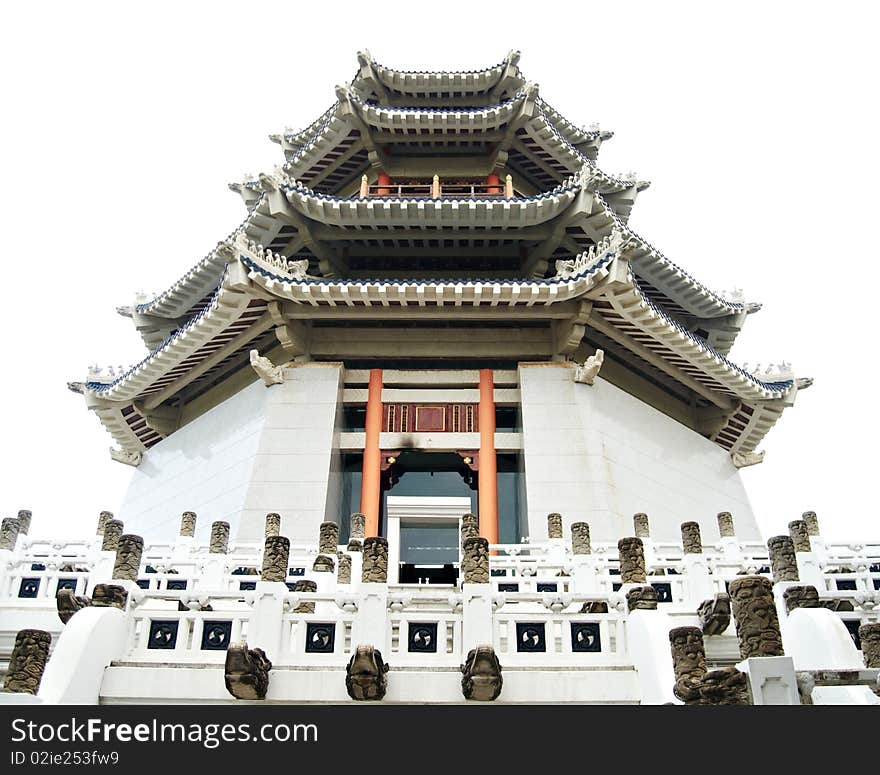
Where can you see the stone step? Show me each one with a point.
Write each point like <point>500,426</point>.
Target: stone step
<point>132,683</point>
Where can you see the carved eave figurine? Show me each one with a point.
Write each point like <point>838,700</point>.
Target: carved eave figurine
<point>266,370</point>
<point>745,459</point>
<point>586,372</point>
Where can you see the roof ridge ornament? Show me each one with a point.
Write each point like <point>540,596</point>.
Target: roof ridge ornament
<point>614,244</point>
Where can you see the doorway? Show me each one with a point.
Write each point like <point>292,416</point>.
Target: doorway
<point>423,538</point>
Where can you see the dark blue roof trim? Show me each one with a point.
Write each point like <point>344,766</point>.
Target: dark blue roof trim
<point>779,387</point>
<point>100,387</point>
<point>250,264</point>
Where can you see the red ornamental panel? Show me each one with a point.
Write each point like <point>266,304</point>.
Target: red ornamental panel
<point>430,418</point>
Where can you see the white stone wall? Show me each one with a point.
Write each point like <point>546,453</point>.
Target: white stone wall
<point>263,449</point>
<point>597,454</point>
<point>291,472</point>
<point>205,467</point>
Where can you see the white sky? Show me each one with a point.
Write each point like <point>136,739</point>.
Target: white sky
<point>756,123</point>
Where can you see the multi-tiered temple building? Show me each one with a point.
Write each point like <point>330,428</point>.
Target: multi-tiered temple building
<point>436,308</point>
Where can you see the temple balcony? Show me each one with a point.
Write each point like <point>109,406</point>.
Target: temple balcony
<point>438,188</point>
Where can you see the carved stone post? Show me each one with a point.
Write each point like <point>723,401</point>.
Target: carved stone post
<point>358,526</point>
<point>754,611</point>
<point>324,563</point>
<point>727,686</point>
<point>9,530</point>
<point>275,556</point>
<point>24,521</point>
<point>128,557</point>
<point>714,614</point>
<point>800,535</point>
<point>725,525</point>
<point>690,538</point>
<point>689,663</point>
<point>305,585</point>
<point>103,518</point>
<point>375,568</point>
<point>641,526</point>
<point>469,527</point>
<point>28,661</point>
<point>641,599</point>
<point>109,596</point>
<point>188,524</point>
<point>343,575</point>
<point>580,538</point>
<point>219,538</point>
<point>804,596</point>
<point>782,559</point>
<point>273,525</point>
<point>328,538</point>
<point>632,561</point>
<point>112,533</point>
<point>812,522</point>
<point>554,525</point>
<point>475,560</point>
<point>870,637</point>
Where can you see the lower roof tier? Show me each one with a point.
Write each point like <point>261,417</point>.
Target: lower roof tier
<point>269,304</point>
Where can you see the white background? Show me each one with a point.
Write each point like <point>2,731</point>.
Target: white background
<point>756,122</point>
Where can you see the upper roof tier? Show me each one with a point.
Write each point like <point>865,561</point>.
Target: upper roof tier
<point>387,86</point>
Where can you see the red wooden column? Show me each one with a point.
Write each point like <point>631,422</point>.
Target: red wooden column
<point>488,494</point>
<point>383,180</point>
<point>493,184</point>
<point>371,474</point>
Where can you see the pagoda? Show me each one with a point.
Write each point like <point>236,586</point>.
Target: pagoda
<point>434,424</point>
<point>444,281</point>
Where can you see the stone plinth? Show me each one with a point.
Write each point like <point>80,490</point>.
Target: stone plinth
<point>375,562</point>
<point>725,525</point>
<point>28,661</point>
<point>754,611</point>
<point>800,535</point>
<point>690,538</point>
<point>188,524</point>
<point>112,533</point>
<point>273,524</point>
<point>782,558</point>
<point>580,538</point>
<point>275,556</point>
<point>632,561</point>
<point>128,557</point>
<point>475,560</point>
<point>219,543</point>
<point>328,538</point>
